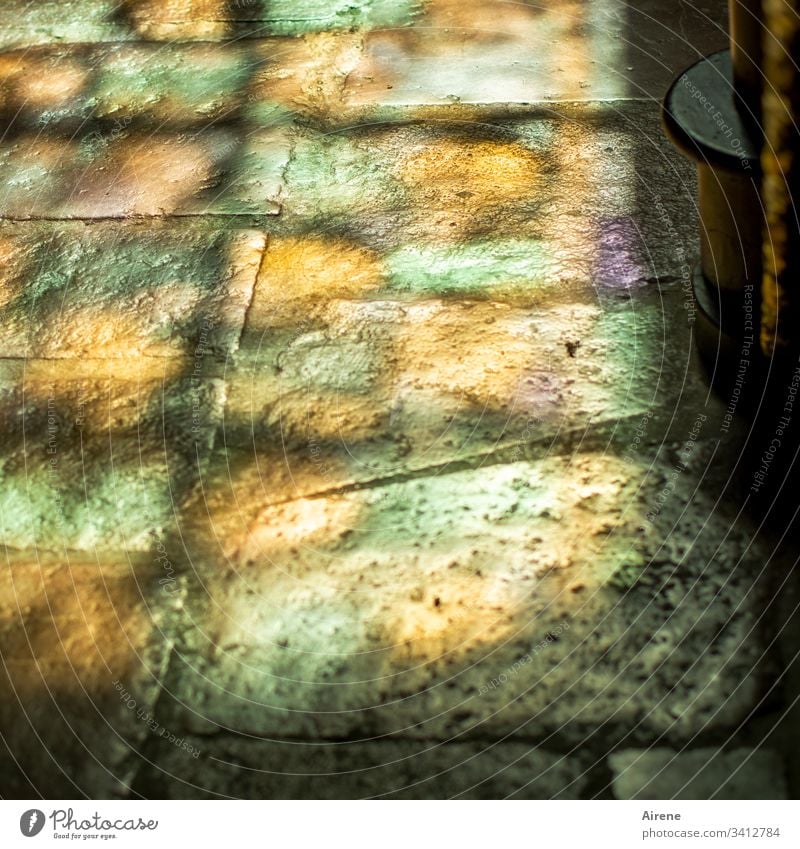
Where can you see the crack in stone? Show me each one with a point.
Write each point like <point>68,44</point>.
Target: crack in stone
<point>137,760</point>
<point>567,443</point>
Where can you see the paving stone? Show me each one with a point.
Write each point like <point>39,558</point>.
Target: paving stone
<point>122,291</point>
<point>547,598</point>
<point>85,644</point>
<point>495,51</point>
<point>393,769</point>
<point>24,23</point>
<point>662,773</point>
<point>176,86</point>
<point>120,172</point>
<point>571,321</point>
<point>97,453</point>
<point>582,194</point>
<point>336,392</point>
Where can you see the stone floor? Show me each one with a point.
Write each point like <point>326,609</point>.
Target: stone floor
<point>355,445</point>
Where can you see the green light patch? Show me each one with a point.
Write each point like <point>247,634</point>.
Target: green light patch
<point>288,17</point>
<point>473,268</point>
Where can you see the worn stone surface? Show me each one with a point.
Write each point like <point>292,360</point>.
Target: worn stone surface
<point>495,51</point>
<point>23,23</point>
<point>662,773</point>
<point>175,85</point>
<point>392,427</point>
<point>97,454</point>
<point>85,645</point>
<point>500,52</point>
<point>109,290</point>
<point>472,603</point>
<point>388,769</point>
<point>582,194</point>
<point>118,173</point>
<point>336,392</point>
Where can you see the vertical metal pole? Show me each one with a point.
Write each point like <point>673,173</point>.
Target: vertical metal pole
<point>747,29</point>
<point>712,113</point>
<point>780,316</point>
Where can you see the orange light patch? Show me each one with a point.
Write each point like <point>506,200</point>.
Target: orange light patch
<point>50,87</point>
<point>301,275</point>
<point>494,350</point>
<point>306,74</point>
<point>321,269</point>
<point>148,177</point>
<point>165,19</point>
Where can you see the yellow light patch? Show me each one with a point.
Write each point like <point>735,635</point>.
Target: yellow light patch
<point>50,87</point>
<point>189,19</point>
<point>319,269</point>
<point>470,174</point>
<point>494,350</point>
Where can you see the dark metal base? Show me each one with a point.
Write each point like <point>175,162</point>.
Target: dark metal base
<point>727,340</point>
<point>708,121</point>
<point>726,335</point>
<point>703,118</point>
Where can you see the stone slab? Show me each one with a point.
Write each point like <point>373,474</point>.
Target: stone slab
<point>550,599</point>
<point>661,773</point>
<point>387,769</point>
<point>85,644</point>
<point>124,172</point>
<point>23,23</point>
<point>97,454</point>
<point>341,392</point>
<point>112,290</point>
<point>471,207</point>
<point>498,52</point>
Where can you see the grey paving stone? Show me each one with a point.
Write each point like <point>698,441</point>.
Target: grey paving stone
<point>174,86</point>
<point>330,393</point>
<point>23,22</point>
<point>389,769</point>
<point>662,773</point>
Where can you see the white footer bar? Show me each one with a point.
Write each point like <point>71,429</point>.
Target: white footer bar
<point>400,825</point>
